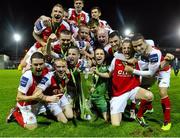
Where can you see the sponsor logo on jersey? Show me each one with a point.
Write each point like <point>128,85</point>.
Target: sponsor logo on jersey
<point>39,25</point>
<point>44,80</point>
<point>153,58</point>
<point>82,18</point>
<point>31,118</point>
<point>122,73</point>
<point>24,81</point>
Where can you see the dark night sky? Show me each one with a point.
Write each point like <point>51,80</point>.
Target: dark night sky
<point>158,20</point>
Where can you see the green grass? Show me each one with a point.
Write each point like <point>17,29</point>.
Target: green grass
<point>9,80</point>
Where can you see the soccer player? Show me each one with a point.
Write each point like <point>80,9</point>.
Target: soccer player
<point>102,36</point>
<point>114,43</point>
<point>56,83</point>
<point>27,100</point>
<point>82,42</point>
<point>45,26</point>
<point>122,91</point>
<point>95,14</point>
<point>73,88</point>
<point>99,95</point>
<point>75,64</point>
<point>93,25</point>
<point>151,59</point>
<point>25,63</point>
<point>57,47</point>
<point>76,15</point>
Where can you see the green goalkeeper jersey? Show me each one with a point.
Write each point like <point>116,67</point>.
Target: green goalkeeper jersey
<point>101,85</point>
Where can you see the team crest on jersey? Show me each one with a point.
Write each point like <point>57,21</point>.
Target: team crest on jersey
<point>24,81</point>
<point>31,118</point>
<point>44,80</point>
<point>82,18</point>
<point>153,58</point>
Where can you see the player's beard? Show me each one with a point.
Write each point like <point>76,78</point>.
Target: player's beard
<point>70,60</point>
<point>36,72</point>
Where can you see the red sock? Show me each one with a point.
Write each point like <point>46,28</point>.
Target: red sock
<point>166,105</point>
<point>142,108</point>
<point>18,116</point>
<point>149,105</point>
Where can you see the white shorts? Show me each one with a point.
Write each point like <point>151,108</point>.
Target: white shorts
<point>29,112</point>
<point>164,78</point>
<point>118,104</point>
<point>56,108</point>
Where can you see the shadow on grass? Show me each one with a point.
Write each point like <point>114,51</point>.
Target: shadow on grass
<point>153,120</point>
<point>44,123</point>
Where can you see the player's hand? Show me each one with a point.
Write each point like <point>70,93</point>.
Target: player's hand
<point>82,51</point>
<point>93,69</point>
<point>52,37</point>
<point>54,98</point>
<point>128,69</point>
<point>92,90</point>
<point>37,95</point>
<point>43,43</point>
<point>169,57</point>
<point>68,71</point>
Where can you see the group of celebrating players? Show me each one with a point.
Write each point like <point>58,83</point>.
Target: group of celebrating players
<point>79,64</point>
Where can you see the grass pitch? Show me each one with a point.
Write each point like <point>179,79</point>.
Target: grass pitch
<point>9,80</point>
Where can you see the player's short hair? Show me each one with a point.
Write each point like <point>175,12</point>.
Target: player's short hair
<point>113,34</point>
<point>74,47</point>
<point>136,37</point>
<point>58,5</point>
<point>59,59</point>
<point>37,55</point>
<point>83,26</point>
<point>79,0</point>
<point>96,7</point>
<point>126,40</point>
<point>66,32</point>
